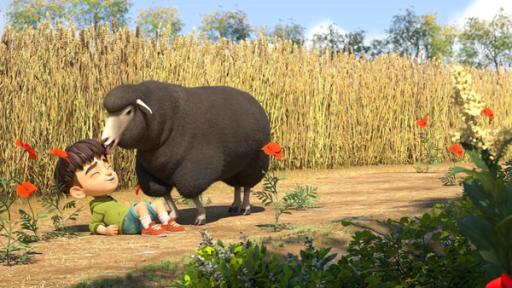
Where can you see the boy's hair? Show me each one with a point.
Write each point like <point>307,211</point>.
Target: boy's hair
<point>79,154</point>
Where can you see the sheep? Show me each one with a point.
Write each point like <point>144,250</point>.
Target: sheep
<point>189,138</point>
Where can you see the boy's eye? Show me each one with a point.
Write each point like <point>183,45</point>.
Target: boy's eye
<point>95,173</point>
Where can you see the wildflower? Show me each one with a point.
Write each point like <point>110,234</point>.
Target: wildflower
<point>273,149</point>
<point>456,149</point>
<point>504,281</point>
<point>488,113</point>
<point>422,122</point>
<point>26,189</point>
<point>61,153</point>
<point>28,148</point>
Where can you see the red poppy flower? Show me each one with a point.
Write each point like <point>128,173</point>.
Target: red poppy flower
<point>456,149</point>
<point>488,113</point>
<point>505,281</point>
<point>61,153</point>
<point>422,122</point>
<point>273,149</point>
<point>26,189</point>
<point>137,189</point>
<point>28,148</point>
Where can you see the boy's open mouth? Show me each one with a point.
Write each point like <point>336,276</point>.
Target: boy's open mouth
<point>112,179</point>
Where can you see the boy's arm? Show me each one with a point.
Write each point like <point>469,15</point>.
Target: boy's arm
<point>96,222</point>
<point>111,230</point>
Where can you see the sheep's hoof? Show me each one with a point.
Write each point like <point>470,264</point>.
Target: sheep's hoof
<point>200,221</point>
<point>234,210</point>
<point>246,211</point>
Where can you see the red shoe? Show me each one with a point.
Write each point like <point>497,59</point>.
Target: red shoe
<point>172,226</point>
<point>153,230</point>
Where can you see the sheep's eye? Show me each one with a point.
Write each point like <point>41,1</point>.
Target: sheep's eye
<point>129,112</point>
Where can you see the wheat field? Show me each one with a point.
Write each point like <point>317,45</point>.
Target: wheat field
<point>325,112</point>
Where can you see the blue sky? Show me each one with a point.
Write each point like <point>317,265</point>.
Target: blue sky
<point>373,16</point>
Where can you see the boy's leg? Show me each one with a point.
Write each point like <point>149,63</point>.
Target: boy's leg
<point>160,210</point>
<point>143,213</point>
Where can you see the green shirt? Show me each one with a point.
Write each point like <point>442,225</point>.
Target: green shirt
<point>106,211</point>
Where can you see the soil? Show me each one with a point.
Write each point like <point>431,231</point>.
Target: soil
<point>364,193</point>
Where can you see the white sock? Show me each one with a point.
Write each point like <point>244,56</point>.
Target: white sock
<point>145,220</point>
<point>164,218</point>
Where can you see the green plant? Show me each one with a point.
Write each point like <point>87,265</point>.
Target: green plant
<point>246,264</point>
<point>63,212</point>
<point>269,196</point>
<point>490,228</point>
<point>426,251</point>
<point>449,179</point>
<point>301,197</point>
<point>13,251</point>
<point>431,150</point>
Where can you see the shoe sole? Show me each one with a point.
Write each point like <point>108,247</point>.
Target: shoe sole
<point>160,235</point>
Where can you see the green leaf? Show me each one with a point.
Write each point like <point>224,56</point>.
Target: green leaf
<point>475,157</point>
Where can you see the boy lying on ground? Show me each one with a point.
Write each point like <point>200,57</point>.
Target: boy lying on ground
<point>86,172</point>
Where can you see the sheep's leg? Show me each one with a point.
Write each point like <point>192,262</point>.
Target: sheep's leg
<point>172,205</point>
<point>237,202</point>
<point>246,205</point>
<point>201,213</point>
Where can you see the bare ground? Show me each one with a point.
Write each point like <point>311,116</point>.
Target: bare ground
<point>376,192</point>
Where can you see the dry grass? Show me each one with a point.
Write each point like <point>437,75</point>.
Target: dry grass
<point>326,113</point>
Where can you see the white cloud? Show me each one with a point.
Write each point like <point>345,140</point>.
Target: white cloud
<point>319,28</point>
<point>483,9</point>
<point>370,36</point>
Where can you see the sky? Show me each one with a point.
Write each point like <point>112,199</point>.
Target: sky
<point>373,16</point>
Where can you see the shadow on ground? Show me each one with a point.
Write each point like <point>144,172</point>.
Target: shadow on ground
<point>426,203</point>
<point>213,213</point>
<point>155,275</point>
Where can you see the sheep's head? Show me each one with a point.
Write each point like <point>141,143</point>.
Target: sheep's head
<point>127,117</point>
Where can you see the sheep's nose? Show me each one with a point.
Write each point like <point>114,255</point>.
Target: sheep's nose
<point>104,139</point>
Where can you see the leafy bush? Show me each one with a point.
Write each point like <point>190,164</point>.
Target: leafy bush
<point>301,198</point>
<point>418,252</point>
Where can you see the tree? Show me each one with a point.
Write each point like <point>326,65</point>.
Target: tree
<point>337,41</point>
<point>420,36</point>
<point>487,43</point>
<point>153,21</point>
<point>30,13</point>
<point>293,32</point>
<point>231,25</point>
<point>98,12</point>
<point>332,39</point>
<point>80,12</point>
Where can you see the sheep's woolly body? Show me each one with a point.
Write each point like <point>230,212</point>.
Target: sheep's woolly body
<point>194,137</point>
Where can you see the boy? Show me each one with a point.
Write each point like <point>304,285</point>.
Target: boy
<point>86,172</point>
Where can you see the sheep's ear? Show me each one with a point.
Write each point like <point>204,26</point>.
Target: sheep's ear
<point>139,102</point>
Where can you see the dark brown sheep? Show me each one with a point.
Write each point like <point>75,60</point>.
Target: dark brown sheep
<point>189,138</point>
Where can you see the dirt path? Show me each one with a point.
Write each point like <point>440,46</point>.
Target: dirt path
<point>375,192</point>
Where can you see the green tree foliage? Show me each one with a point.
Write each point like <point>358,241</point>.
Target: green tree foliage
<point>82,13</point>
<point>30,13</point>
<point>336,41</point>
<point>153,21</point>
<point>231,25</point>
<point>418,36</point>
<point>487,43</point>
<point>99,12</point>
<point>293,32</point>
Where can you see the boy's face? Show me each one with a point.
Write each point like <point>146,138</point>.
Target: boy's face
<point>97,179</point>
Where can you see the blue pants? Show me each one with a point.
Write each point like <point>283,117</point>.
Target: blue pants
<point>132,225</point>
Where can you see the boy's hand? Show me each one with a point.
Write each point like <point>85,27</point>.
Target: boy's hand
<point>111,230</point>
